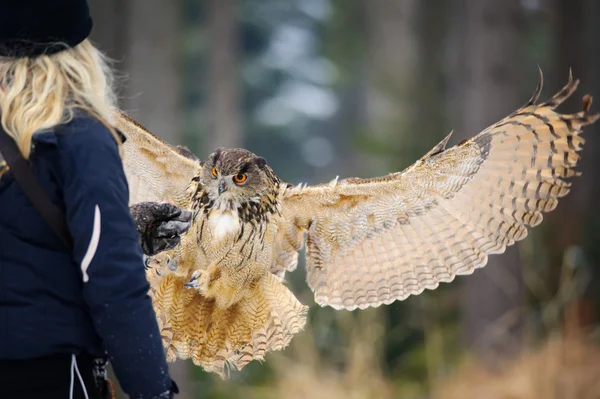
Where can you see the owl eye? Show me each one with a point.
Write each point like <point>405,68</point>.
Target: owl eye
<point>240,178</point>
<point>214,171</point>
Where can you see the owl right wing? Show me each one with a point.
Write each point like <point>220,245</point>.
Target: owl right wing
<point>155,170</point>
<point>373,241</point>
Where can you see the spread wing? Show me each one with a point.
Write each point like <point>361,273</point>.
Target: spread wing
<point>155,170</point>
<point>374,241</point>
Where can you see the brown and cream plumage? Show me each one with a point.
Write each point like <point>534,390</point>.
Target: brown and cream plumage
<point>220,297</point>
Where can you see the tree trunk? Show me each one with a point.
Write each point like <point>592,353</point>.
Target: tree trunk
<point>110,32</point>
<point>225,124</point>
<point>430,125</point>
<point>152,62</point>
<point>144,38</point>
<point>493,313</point>
<point>591,162</point>
<point>392,63</point>
<point>574,23</point>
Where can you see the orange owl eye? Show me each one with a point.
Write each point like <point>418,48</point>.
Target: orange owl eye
<point>240,178</point>
<point>214,171</point>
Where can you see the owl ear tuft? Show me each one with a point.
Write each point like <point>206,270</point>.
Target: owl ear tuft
<point>217,154</point>
<point>260,162</point>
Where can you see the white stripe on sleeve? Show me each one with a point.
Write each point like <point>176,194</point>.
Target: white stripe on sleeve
<point>91,251</point>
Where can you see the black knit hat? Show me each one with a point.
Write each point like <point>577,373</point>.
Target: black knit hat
<point>29,28</point>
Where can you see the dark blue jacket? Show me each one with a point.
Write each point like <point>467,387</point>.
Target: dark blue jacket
<point>95,297</point>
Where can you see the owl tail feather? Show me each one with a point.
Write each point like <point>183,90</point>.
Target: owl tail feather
<point>192,326</point>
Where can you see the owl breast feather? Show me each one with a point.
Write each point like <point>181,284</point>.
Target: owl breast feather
<point>223,223</point>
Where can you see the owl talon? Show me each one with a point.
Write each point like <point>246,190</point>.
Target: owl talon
<point>171,264</point>
<point>194,280</point>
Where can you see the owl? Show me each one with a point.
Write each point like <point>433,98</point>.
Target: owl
<point>220,297</point>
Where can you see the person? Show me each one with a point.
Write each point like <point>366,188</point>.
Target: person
<point>63,306</point>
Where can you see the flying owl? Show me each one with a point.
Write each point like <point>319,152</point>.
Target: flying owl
<point>220,298</point>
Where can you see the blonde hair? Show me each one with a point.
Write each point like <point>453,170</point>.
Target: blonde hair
<point>45,91</point>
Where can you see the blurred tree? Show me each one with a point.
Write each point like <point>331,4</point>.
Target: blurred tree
<point>110,27</point>
<point>144,37</point>
<point>573,22</point>
<point>591,162</point>
<point>392,55</point>
<point>430,97</point>
<point>152,61</point>
<point>492,57</point>
<point>344,43</point>
<point>224,113</point>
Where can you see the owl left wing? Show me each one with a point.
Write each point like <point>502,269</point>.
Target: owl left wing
<point>155,170</point>
<point>373,241</point>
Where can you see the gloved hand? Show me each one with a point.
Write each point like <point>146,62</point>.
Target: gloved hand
<point>160,225</point>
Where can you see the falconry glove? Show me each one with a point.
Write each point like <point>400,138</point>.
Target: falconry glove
<point>160,225</point>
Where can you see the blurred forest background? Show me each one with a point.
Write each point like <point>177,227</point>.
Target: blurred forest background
<point>361,88</point>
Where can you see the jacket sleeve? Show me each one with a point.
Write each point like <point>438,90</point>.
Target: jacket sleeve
<point>107,249</point>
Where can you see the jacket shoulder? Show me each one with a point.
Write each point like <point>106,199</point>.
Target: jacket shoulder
<point>81,131</point>
<point>84,131</point>
<point>83,145</point>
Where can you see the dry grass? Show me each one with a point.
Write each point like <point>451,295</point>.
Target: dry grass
<point>304,373</point>
<point>561,369</point>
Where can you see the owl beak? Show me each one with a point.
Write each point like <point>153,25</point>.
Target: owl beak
<point>222,187</point>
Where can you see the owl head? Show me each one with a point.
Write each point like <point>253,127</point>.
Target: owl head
<point>234,177</point>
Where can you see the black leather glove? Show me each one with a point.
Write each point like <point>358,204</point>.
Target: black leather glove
<point>160,225</point>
